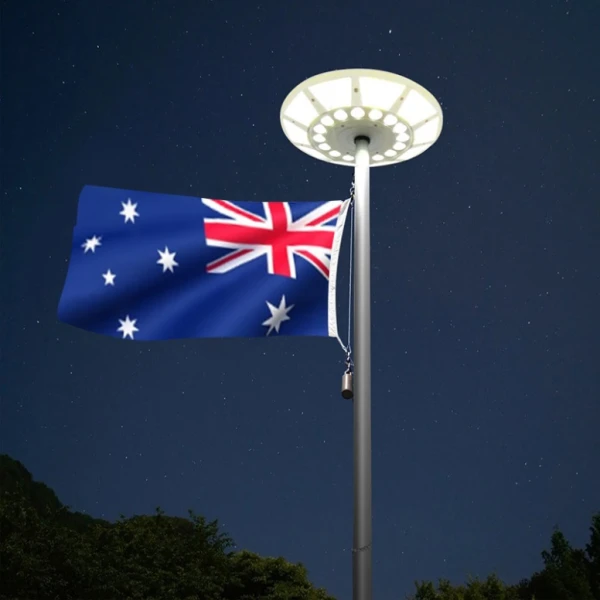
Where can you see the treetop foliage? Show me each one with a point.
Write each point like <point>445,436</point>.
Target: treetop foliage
<point>48,552</point>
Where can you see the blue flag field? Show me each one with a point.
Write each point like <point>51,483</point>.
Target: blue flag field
<point>147,266</point>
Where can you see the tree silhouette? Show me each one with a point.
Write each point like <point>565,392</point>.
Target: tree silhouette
<point>49,552</point>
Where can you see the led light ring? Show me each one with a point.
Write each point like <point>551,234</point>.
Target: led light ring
<point>342,118</point>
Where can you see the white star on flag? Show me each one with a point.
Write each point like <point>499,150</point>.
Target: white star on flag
<point>129,211</point>
<point>91,243</point>
<point>278,315</point>
<point>167,260</point>
<point>109,278</point>
<point>128,327</point>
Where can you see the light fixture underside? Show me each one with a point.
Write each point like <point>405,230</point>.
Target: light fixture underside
<point>324,114</point>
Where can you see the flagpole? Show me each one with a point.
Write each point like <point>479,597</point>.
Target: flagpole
<point>361,118</point>
<point>362,538</point>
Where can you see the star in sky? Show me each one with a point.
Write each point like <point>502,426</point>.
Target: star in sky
<point>91,244</point>
<point>278,315</point>
<point>167,260</point>
<point>129,211</point>
<point>109,278</point>
<point>128,327</point>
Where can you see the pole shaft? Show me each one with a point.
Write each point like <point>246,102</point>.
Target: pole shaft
<point>362,558</point>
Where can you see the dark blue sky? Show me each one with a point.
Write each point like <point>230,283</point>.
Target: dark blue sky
<point>486,384</point>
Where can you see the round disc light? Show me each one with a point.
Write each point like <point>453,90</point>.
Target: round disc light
<point>325,114</point>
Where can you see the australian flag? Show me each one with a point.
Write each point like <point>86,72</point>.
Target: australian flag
<point>147,266</point>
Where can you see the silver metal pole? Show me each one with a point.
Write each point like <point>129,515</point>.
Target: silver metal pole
<point>362,560</point>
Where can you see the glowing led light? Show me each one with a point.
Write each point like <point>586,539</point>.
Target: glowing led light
<point>340,115</point>
<point>357,112</point>
<point>378,92</point>
<point>320,129</point>
<point>324,146</point>
<point>390,120</point>
<point>399,146</point>
<point>427,132</point>
<point>390,153</point>
<point>348,157</point>
<point>403,137</point>
<point>377,157</point>
<point>398,128</point>
<point>295,132</point>
<point>375,114</point>
<point>319,138</point>
<point>301,110</point>
<point>331,94</point>
<point>335,153</point>
<point>416,108</point>
<point>327,120</point>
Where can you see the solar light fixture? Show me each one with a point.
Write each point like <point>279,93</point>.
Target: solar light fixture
<point>323,116</point>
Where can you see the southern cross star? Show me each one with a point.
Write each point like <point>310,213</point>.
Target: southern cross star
<point>91,243</point>
<point>128,327</point>
<point>167,260</point>
<point>129,211</point>
<point>278,315</point>
<point>109,278</point>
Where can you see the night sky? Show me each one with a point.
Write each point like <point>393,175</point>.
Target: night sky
<point>485,279</point>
